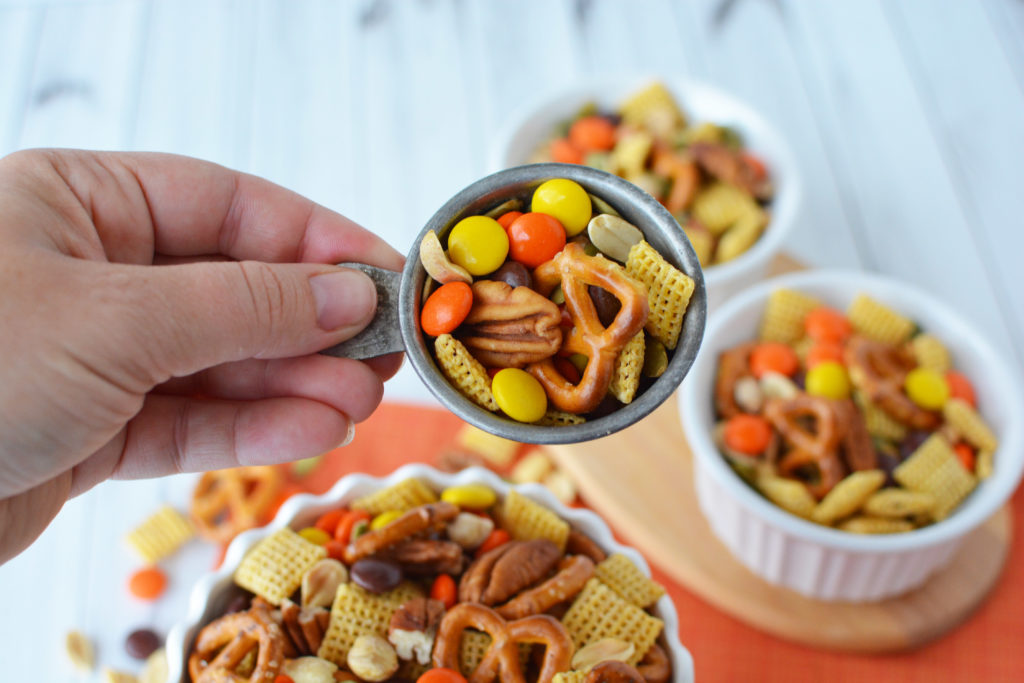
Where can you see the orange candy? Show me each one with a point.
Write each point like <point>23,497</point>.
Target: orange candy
<point>446,308</point>
<point>335,550</point>
<point>283,678</point>
<point>441,675</point>
<point>147,584</point>
<point>444,589</point>
<point>343,533</point>
<point>564,152</point>
<point>960,387</point>
<point>592,134</point>
<point>965,454</point>
<point>827,324</point>
<point>824,351</point>
<point>329,521</point>
<point>773,357</point>
<point>534,238</point>
<point>508,217</point>
<point>493,540</point>
<point>749,434</point>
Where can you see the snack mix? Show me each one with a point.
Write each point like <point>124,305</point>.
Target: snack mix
<point>855,421</point>
<point>552,316</point>
<point>700,172</point>
<point>439,587</point>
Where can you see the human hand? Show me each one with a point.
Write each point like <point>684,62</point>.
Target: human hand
<point>160,314</point>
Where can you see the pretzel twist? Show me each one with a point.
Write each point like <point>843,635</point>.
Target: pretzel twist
<point>569,581</point>
<point>224,643</point>
<point>227,502</point>
<point>733,365</point>
<point>818,448</point>
<point>428,517</point>
<point>655,667</point>
<point>612,671</point>
<point>574,270</point>
<point>501,660</point>
<point>879,371</point>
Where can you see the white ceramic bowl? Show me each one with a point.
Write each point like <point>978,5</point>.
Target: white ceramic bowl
<point>532,124</point>
<point>215,589</point>
<point>818,561</point>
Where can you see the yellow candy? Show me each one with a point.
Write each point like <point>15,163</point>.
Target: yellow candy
<point>927,388</point>
<point>479,244</point>
<point>566,201</point>
<point>828,379</point>
<point>384,518</point>
<point>472,496</point>
<point>519,395</point>
<point>314,535</point>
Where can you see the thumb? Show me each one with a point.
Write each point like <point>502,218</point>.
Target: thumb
<point>204,314</point>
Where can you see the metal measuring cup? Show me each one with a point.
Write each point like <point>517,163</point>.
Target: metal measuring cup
<point>399,297</point>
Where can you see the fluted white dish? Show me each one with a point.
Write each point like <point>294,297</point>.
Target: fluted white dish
<point>533,123</point>
<point>822,562</point>
<point>213,591</point>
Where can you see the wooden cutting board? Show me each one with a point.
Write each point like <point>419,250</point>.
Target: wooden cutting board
<point>641,479</point>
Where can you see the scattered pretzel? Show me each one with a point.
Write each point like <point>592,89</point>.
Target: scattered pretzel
<point>733,365</point>
<point>227,502</point>
<point>565,585</point>
<point>879,371</point>
<point>818,448</point>
<point>428,517</point>
<point>501,660</point>
<point>613,671</point>
<point>235,636</point>
<point>574,270</point>
<point>655,667</point>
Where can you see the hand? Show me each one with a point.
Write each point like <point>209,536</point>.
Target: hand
<point>160,314</point>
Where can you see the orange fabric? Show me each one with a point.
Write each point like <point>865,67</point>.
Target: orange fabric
<point>987,647</point>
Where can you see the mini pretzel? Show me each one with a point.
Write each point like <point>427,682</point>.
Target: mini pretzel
<point>224,643</point>
<point>858,448</point>
<point>612,671</point>
<point>501,660</point>
<point>581,544</point>
<point>880,371</point>
<point>655,667</point>
<point>574,270</point>
<point>818,448</point>
<point>429,517</point>
<point>227,502</point>
<point>733,365</point>
<point>566,584</point>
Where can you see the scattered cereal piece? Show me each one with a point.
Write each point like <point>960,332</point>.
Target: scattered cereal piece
<point>934,468</point>
<point>526,520</point>
<point>879,322</point>
<point>966,421</point>
<point>557,418</point>
<point>789,494</point>
<point>160,534</point>
<point>598,612</point>
<point>80,650</point>
<point>273,569</point>
<point>114,676</point>
<point>532,468</point>
<point>623,577</point>
<point>668,292</point>
<point>931,353</point>
<point>357,612</point>
<point>896,502</point>
<point>498,450</point>
<point>626,373</point>
<point>848,495</point>
<point>561,485</point>
<point>875,525</point>
<point>155,670</point>
<point>463,371</point>
<point>784,313</point>
<point>403,496</point>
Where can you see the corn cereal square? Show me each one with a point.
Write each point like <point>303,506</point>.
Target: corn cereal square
<point>934,468</point>
<point>788,494</point>
<point>356,612</point>
<point>966,420</point>
<point>720,205</point>
<point>875,525</point>
<point>622,576</point>
<point>983,463</point>
<point>526,520</point>
<point>879,423</point>
<point>848,495</point>
<point>668,292</point>
<point>598,612</point>
<point>626,372</point>
<point>464,371</point>
<point>742,235</point>
<point>879,322</point>
<point>273,569</point>
<point>557,418</point>
<point>473,647</point>
<point>403,496</point>
<point>570,677</point>
<point>497,449</point>
<point>160,534</point>
<point>930,353</point>
<point>784,315</point>
<point>654,107</point>
<point>895,502</point>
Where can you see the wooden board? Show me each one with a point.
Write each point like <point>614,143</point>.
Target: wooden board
<point>656,508</point>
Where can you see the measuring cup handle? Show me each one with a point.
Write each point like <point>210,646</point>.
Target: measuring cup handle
<point>383,335</point>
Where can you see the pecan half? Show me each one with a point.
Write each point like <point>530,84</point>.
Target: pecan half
<point>510,327</point>
<point>304,628</point>
<point>413,628</point>
<point>424,556</point>
<point>501,573</point>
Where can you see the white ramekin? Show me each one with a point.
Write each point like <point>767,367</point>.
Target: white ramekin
<point>534,122</point>
<point>215,589</point>
<point>818,561</point>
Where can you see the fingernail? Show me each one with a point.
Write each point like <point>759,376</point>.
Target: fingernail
<point>343,298</point>
<point>350,435</point>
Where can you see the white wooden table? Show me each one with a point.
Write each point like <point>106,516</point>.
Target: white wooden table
<point>907,120</point>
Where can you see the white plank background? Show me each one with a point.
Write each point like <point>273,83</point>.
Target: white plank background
<point>907,120</point>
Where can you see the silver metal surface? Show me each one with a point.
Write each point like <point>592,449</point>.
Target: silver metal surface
<point>383,335</point>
